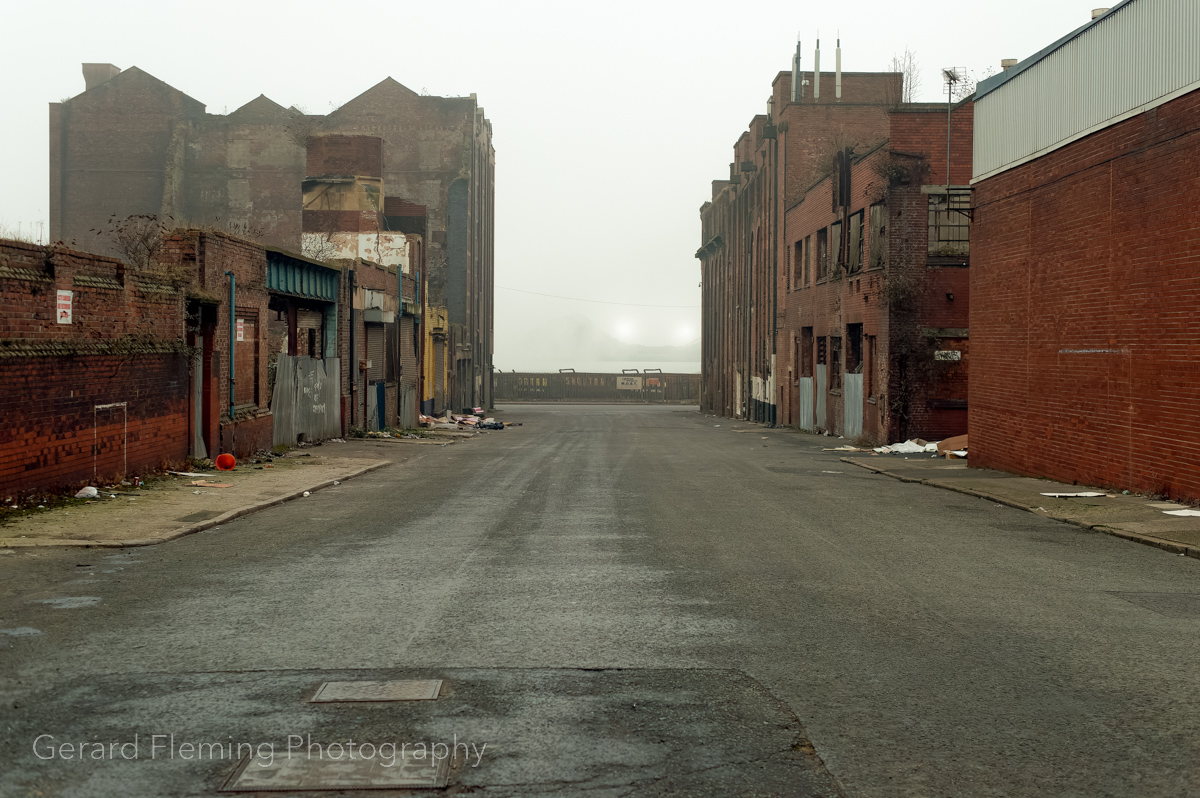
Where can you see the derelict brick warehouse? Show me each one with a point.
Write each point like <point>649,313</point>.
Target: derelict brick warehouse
<point>834,263</point>
<point>1086,273</point>
<point>131,144</point>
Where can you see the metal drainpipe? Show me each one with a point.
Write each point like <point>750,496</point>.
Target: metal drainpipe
<point>232,337</point>
<point>353,359</point>
<point>775,271</point>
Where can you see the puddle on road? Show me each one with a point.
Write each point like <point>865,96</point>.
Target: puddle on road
<point>68,602</point>
<point>21,631</point>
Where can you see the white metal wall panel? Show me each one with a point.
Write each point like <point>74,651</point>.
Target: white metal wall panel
<point>806,403</point>
<point>852,394</point>
<point>1139,55</point>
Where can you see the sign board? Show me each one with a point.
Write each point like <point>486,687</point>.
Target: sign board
<point>629,383</point>
<point>64,307</point>
<point>652,382</point>
<point>241,329</point>
<point>948,354</point>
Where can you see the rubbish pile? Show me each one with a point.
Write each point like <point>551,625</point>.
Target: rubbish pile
<point>464,422</point>
<point>952,448</point>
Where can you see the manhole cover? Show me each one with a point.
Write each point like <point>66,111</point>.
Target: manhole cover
<point>384,769</point>
<point>422,690</point>
<point>203,515</point>
<point>1172,605</point>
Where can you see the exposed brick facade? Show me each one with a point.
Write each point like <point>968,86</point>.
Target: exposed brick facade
<point>1085,280</point>
<point>101,397</point>
<point>131,144</point>
<point>771,323</point>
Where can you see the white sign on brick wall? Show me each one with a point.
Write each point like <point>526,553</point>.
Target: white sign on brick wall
<point>241,329</point>
<point>64,307</point>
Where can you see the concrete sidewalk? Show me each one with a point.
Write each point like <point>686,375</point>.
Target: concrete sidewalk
<point>1138,518</point>
<point>171,507</point>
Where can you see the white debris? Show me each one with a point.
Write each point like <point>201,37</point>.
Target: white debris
<point>87,493</point>
<point>1182,512</point>
<point>1086,494</point>
<point>307,493</point>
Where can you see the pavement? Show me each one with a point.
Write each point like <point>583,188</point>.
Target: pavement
<point>172,506</point>
<point>619,601</point>
<point>1141,519</point>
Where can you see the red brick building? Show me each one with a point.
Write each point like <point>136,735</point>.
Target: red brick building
<point>1086,270</point>
<point>875,294</point>
<point>824,304</point>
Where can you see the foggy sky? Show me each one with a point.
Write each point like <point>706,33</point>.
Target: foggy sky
<point>610,119</point>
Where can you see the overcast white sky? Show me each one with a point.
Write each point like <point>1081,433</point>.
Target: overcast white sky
<point>610,119</point>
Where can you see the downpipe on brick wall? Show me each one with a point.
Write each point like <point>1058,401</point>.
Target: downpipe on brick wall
<point>232,340</point>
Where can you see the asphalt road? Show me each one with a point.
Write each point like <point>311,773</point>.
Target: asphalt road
<point>621,601</point>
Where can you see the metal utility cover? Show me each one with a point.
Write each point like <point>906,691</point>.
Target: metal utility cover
<point>303,773</point>
<point>425,690</point>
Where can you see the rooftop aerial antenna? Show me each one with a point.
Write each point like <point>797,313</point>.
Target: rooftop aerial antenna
<point>952,76</point>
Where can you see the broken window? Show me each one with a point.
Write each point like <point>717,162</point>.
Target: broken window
<point>835,233</point>
<point>806,351</point>
<point>854,348</point>
<point>950,223</point>
<point>835,361</point>
<point>822,254</point>
<point>807,259</point>
<point>798,267</point>
<point>869,367</point>
<point>821,350</point>
<point>855,242</point>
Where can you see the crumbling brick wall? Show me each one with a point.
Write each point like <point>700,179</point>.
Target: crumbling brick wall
<point>101,397</point>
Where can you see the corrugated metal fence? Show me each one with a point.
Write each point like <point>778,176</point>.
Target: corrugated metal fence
<point>594,387</point>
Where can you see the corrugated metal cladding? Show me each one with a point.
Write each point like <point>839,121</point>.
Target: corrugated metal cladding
<point>1140,54</point>
<point>376,352</point>
<point>298,278</point>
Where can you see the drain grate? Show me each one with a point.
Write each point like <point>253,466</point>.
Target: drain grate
<point>416,690</point>
<point>1172,605</point>
<point>284,774</point>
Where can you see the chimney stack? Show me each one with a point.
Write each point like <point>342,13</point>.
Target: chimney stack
<point>95,74</point>
<point>1098,12</point>
<point>837,83</point>
<point>1007,64</point>
<point>817,71</point>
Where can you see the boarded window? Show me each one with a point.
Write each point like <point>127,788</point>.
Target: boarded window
<point>807,279</point>
<point>855,242</point>
<point>376,353</point>
<point>806,351</point>
<point>309,326</point>
<point>798,267</point>
<point>877,249</point>
<point>949,223</point>
<point>836,250</point>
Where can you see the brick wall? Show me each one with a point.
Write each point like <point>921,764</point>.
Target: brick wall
<point>124,348</point>
<point>1085,282</point>
<point>207,256</point>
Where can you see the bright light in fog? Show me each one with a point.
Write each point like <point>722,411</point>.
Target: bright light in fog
<point>624,330</point>
<point>684,334</point>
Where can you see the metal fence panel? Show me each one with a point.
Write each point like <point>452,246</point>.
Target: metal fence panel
<point>306,399</point>
<point>514,387</point>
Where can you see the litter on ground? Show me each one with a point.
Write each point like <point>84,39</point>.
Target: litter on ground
<point>1086,494</point>
<point>1182,512</point>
